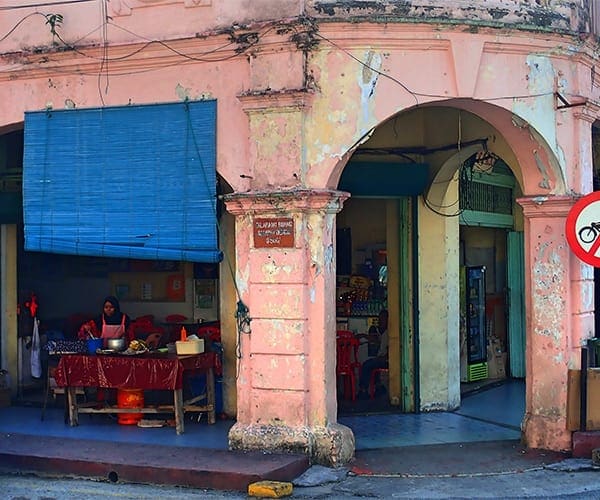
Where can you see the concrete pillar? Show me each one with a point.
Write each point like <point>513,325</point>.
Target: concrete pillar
<point>227,312</point>
<point>559,317</point>
<point>8,315</point>
<point>439,308</point>
<point>285,276</point>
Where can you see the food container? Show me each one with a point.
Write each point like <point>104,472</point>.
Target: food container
<point>190,346</point>
<point>116,344</point>
<point>93,345</point>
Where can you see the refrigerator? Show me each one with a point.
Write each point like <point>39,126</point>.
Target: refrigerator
<point>477,368</point>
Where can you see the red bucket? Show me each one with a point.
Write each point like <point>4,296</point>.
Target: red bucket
<point>130,398</point>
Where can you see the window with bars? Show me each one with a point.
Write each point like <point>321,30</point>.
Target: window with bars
<point>485,198</point>
<point>486,185</point>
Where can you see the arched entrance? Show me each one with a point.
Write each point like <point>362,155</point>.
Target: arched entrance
<point>434,236</point>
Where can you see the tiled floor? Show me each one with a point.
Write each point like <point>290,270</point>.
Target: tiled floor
<point>490,414</point>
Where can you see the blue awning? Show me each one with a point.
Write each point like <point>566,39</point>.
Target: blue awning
<point>131,181</point>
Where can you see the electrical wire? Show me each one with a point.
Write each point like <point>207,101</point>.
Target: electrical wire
<point>465,176</point>
<point>257,39</point>
<point>21,22</point>
<point>44,4</point>
<point>150,42</point>
<point>364,64</point>
<point>428,204</point>
<point>242,313</point>
<point>416,95</point>
<point>104,61</point>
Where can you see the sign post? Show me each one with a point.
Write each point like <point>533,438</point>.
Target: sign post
<point>582,229</point>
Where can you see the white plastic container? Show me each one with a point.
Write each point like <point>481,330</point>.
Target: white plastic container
<point>190,346</point>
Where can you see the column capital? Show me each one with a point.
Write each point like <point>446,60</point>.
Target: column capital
<point>285,201</point>
<point>588,112</point>
<point>546,206</point>
<point>275,101</point>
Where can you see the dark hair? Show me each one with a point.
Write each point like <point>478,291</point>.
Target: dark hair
<point>114,301</point>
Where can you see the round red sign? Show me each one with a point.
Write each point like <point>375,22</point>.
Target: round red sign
<point>583,229</point>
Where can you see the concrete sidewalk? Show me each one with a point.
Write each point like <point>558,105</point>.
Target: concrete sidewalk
<point>145,463</point>
<point>453,460</point>
<point>486,469</point>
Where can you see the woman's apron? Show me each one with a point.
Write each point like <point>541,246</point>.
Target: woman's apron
<point>112,331</point>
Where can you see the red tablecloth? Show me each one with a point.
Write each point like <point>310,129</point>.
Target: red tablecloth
<point>129,372</point>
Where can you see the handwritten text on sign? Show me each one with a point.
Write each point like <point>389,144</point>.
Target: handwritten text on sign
<point>269,233</point>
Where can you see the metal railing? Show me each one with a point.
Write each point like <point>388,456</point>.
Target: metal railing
<point>590,358</point>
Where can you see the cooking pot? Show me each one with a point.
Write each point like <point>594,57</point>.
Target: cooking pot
<point>116,344</point>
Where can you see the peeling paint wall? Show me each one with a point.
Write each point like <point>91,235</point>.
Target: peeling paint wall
<point>565,15</point>
<point>133,21</point>
<point>501,73</point>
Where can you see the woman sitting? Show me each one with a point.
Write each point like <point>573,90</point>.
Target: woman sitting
<point>111,324</point>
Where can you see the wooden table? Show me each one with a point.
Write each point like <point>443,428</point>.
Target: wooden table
<point>146,372</point>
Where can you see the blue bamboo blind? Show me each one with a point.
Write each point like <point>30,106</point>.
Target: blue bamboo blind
<point>131,181</point>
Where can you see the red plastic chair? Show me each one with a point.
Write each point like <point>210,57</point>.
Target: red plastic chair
<point>347,363</point>
<point>345,333</point>
<point>355,345</point>
<point>176,318</point>
<point>211,332</point>
<point>374,374</point>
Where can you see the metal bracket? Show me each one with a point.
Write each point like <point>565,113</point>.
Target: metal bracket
<point>567,104</point>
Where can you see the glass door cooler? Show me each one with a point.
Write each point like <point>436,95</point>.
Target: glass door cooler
<point>477,368</point>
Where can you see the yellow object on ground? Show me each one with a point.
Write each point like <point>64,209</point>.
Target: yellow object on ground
<point>270,489</point>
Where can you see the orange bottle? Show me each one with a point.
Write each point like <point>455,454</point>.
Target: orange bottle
<point>183,333</point>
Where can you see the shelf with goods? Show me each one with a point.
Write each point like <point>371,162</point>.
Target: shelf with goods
<point>359,296</point>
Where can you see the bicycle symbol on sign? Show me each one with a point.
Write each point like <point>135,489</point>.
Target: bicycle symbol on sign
<point>588,234</point>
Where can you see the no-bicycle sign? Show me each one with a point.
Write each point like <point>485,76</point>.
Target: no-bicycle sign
<point>583,229</point>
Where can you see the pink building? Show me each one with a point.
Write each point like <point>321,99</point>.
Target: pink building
<point>404,142</point>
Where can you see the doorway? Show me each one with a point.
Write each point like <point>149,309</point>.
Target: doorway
<point>492,330</point>
<point>374,275</point>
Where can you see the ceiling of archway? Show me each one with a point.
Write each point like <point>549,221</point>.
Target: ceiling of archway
<point>431,136</point>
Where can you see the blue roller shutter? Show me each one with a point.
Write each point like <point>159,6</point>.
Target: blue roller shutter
<point>131,181</point>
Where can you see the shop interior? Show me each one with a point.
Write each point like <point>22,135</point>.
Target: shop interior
<point>65,291</point>
<point>484,340</point>
<point>361,295</point>
<point>362,292</point>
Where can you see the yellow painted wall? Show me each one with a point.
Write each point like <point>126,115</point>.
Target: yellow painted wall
<point>439,356</point>
<point>229,298</point>
<point>8,271</point>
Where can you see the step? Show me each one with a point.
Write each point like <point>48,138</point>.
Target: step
<point>145,463</point>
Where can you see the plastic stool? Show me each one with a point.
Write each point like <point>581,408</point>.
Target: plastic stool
<point>374,374</point>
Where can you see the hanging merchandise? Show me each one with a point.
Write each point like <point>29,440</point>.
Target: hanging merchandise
<point>32,305</point>
<point>36,364</point>
<point>26,311</point>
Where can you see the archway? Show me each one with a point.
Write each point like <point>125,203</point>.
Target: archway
<point>442,136</point>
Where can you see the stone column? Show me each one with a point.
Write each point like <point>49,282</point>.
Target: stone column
<point>285,272</point>
<point>559,310</point>
<point>9,348</point>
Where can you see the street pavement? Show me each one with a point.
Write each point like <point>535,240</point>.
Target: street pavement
<point>568,478</point>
